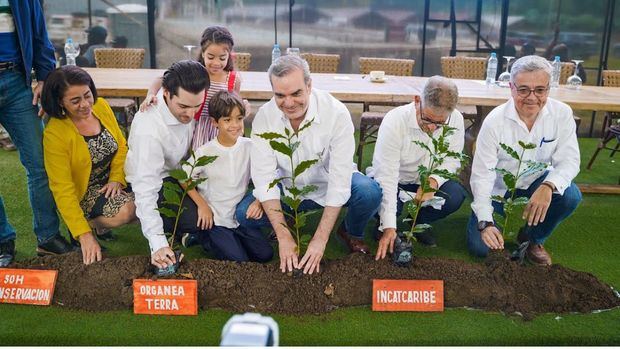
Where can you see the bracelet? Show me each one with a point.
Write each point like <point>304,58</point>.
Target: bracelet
<point>548,185</point>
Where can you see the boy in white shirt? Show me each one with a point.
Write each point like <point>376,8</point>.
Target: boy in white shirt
<point>227,182</point>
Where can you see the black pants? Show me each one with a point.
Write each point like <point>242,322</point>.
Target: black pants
<point>189,216</point>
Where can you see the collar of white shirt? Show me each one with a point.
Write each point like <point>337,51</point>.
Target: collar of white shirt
<point>165,112</point>
<point>512,114</point>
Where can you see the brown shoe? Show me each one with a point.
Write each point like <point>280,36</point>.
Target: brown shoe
<point>354,245</point>
<point>536,254</point>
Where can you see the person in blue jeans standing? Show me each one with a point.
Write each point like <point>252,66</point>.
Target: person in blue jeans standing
<point>24,45</point>
<point>530,116</point>
<point>328,137</point>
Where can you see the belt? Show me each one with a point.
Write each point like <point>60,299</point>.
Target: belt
<point>7,65</point>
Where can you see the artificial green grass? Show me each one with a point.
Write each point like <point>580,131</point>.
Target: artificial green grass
<point>587,241</point>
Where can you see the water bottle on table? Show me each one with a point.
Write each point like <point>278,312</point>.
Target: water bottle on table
<point>555,72</point>
<point>491,69</point>
<point>72,50</point>
<point>275,53</point>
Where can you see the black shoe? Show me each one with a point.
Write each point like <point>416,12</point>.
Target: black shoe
<point>57,245</point>
<point>426,238</point>
<point>7,253</point>
<point>189,239</point>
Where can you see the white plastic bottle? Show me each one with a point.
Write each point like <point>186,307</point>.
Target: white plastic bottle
<point>275,53</point>
<point>70,51</point>
<point>555,72</point>
<point>491,69</point>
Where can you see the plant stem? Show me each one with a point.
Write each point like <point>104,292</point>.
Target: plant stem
<point>295,210</point>
<point>424,184</point>
<point>513,191</point>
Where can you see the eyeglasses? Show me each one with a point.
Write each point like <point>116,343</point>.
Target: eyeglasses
<point>427,121</point>
<point>525,92</point>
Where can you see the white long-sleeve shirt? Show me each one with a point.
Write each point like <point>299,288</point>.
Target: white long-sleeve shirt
<point>556,144</point>
<point>396,157</point>
<point>157,142</point>
<point>330,139</point>
<point>227,178</point>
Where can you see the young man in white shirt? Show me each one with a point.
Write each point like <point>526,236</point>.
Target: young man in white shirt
<point>227,181</point>
<point>531,117</point>
<point>396,158</point>
<point>159,139</point>
<point>330,139</point>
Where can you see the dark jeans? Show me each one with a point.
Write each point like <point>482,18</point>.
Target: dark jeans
<point>452,191</point>
<point>561,207</point>
<point>187,220</point>
<point>19,118</point>
<point>239,244</point>
<point>361,207</point>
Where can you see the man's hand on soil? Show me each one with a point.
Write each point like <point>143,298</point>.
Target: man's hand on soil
<point>288,255</point>
<point>163,257</point>
<point>313,256</point>
<point>91,251</point>
<point>492,237</point>
<point>386,243</point>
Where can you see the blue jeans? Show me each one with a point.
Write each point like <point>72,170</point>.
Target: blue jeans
<point>560,208</point>
<point>452,191</point>
<point>239,244</point>
<point>362,206</point>
<point>19,118</point>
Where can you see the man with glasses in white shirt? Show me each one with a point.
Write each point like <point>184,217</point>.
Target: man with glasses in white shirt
<point>159,139</point>
<point>529,116</point>
<point>396,159</point>
<point>329,138</point>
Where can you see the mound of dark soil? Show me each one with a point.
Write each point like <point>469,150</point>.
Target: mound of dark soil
<point>497,285</point>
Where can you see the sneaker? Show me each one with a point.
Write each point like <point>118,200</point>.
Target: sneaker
<point>55,246</point>
<point>189,239</point>
<point>426,238</point>
<point>7,253</point>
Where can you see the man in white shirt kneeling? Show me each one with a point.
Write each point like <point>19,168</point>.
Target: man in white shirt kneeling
<point>396,159</point>
<point>159,139</point>
<point>329,138</point>
<point>530,117</point>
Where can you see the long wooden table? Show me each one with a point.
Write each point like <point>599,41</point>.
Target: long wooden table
<point>357,88</point>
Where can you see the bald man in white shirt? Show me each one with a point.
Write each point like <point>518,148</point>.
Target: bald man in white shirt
<point>529,116</point>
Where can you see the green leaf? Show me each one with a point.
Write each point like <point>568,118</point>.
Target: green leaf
<point>307,189</point>
<point>412,209</point>
<point>173,186</point>
<point>294,146</point>
<point>304,240</point>
<point>270,135</point>
<point>287,132</point>
<point>300,222</point>
<point>498,198</point>
<point>521,201</point>
<point>533,167</point>
<point>421,227</point>
<point>167,212</point>
<point>281,147</point>
<point>205,160</point>
<point>290,202</point>
<point>510,151</point>
<point>527,145</point>
<point>446,174</point>
<point>304,165</point>
<point>306,125</point>
<point>172,196</point>
<point>178,174</point>
<point>423,146</point>
<point>276,181</point>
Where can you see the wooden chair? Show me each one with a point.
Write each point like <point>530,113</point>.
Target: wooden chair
<point>127,58</point>
<point>370,121</point>
<point>611,130</point>
<point>391,66</point>
<point>473,68</point>
<point>322,63</point>
<point>242,61</point>
<point>567,70</point>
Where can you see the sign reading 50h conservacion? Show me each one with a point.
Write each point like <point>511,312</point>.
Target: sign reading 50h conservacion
<point>25,286</point>
<point>165,297</point>
<point>407,295</point>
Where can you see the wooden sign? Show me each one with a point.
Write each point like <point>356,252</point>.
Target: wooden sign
<point>26,286</point>
<point>165,297</point>
<point>407,295</point>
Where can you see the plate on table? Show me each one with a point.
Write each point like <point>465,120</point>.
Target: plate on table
<point>383,79</point>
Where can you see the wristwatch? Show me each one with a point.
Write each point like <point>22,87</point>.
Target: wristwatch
<point>482,225</point>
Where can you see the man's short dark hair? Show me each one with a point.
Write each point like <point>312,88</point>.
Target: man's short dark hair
<point>223,103</point>
<point>58,82</point>
<point>188,75</point>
